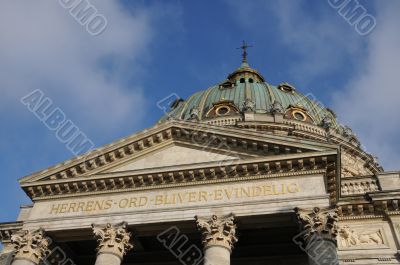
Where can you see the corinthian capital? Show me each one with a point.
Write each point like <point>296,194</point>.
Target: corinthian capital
<point>113,239</point>
<point>217,231</point>
<point>318,223</point>
<point>30,245</point>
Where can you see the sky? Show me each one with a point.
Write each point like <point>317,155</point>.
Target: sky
<point>108,82</point>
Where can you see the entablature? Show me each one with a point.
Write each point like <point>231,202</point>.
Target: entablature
<point>187,175</point>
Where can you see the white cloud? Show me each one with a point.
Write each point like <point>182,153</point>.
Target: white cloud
<point>43,47</point>
<point>324,43</point>
<point>370,103</point>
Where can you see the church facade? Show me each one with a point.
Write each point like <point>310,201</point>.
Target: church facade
<point>243,172</point>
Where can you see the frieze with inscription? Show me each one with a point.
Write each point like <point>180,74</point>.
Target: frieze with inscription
<point>182,197</point>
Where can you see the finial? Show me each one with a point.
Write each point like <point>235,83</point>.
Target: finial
<point>244,54</point>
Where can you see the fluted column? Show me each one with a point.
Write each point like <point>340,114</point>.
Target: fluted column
<point>30,247</point>
<point>318,234</point>
<point>113,243</point>
<point>218,238</point>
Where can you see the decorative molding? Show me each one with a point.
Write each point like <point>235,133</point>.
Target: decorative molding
<point>7,230</point>
<point>353,166</point>
<point>126,147</point>
<point>362,237</point>
<point>249,105</point>
<point>294,165</point>
<point>356,186</point>
<point>224,121</point>
<point>30,245</point>
<point>113,239</point>
<point>217,231</point>
<point>318,223</point>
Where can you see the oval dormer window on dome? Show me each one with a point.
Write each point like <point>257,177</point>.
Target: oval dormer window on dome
<point>222,108</point>
<point>298,113</point>
<point>285,87</point>
<point>242,80</point>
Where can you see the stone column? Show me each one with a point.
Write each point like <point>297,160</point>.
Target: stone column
<point>318,235</point>
<point>114,243</point>
<point>218,237</point>
<point>30,247</point>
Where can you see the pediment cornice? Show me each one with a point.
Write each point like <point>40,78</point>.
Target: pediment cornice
<point>322,162</point>
<point>235,139</point>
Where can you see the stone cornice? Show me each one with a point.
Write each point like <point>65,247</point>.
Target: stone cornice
<point>369,205</point>
<point>267,167</point>
<point>124,149</point>
<point>7,229</point>
<point>313,132</point>
<point>359,185</point>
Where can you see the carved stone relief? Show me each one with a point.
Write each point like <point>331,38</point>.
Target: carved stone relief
<point>359,187</point>
<point>113,239</point>
<point>30,245</point>
<point>318,223</point>
<point>217,231</point>
<point>349,237</point>
<point>353,166</point>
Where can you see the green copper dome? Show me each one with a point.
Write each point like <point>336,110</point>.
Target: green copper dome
<point>246,91</point>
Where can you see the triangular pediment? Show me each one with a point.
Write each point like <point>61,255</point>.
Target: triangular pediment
<point>175,143</point>
<point>176,155</point>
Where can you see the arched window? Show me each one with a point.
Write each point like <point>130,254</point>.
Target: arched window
<point>241,80</point>
<point>251,80</point>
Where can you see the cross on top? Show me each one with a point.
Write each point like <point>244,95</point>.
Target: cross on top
<point>244,48</point>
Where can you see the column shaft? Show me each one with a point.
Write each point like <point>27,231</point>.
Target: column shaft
<point>22,262</point>
<point>107,259</point>
<point>322,252</point>
<point>217,255</point>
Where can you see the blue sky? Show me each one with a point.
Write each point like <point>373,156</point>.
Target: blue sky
<point>108,84</point>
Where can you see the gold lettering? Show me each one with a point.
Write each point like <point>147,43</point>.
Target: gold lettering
<point>293,188</point>
<point>72,207</point>
<point>224,193</point>
<point>276,192</point>
<point>80,207</point>
<point>203,195</point>
<point>159,200</point>
<point>257,191</point>
<point>283,188</point>
<point>228,193</point>
<point>218,195</point>
<point>123,203</point>
<point>181,198</point>
<point>89,206</point>
<point>98,205</point>
<point>132,202</point>
<point>245,191</point>
<point>63,208</point>
<point>108,204</point>
<point>192,196</point>
<point>142,201</point>
<point>267,189</point>
<point>55,208</point>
